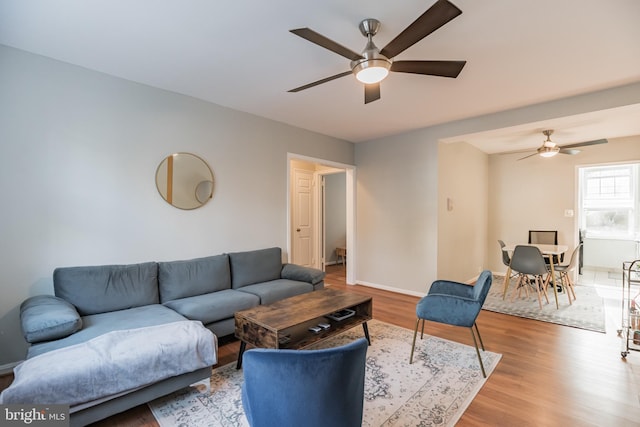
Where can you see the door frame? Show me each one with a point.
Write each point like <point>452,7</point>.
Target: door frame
<point>350,176</point>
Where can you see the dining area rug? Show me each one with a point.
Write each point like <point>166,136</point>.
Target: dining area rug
<point>433,391</point>
<point>586,312</point>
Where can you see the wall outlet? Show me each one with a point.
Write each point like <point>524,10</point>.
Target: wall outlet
<point>568,213</point>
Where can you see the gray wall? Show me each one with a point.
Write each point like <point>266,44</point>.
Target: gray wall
<point>80,151</point>
<point>398,228</point>
<point>397,211</point>
<point>335,214</point>
<point>81,148</point>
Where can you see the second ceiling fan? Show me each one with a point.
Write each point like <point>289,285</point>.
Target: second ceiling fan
<point>550,148</point>
<point>373,64</point>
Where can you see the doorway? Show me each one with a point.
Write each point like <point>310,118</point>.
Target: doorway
<point>333,233</point>
<point>307,216</point>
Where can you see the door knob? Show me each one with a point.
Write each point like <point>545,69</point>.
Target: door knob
<point>298,230</point>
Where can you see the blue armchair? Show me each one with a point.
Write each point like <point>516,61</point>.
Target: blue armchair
<point>456,304</point>
<point>305,387</point>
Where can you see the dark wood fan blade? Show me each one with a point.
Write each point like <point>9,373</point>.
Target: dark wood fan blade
<point>569,151</point>
<point>319,82</point>
<point>320,40</point>
<point>585,144</point>
<point>435,17</point>
<point>530,155</point>
<point>371,92</point>
<point>432,68</point>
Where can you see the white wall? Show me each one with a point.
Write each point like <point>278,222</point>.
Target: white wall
<point>463,209</point>
<point>80,151</point>
<point>608,254</point>
<point>534,193</point>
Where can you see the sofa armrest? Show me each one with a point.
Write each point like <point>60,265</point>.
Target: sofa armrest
<point>47,317</point>
<point>302,274</point>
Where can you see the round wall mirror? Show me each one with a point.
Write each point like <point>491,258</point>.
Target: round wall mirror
<point>184,180</point>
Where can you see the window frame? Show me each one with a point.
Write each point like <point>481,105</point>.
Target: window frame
<point>616,202</point>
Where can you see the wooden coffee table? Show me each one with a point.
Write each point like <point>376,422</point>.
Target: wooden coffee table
<point>285,324</point>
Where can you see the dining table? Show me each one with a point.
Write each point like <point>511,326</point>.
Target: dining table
<point>548,251</point>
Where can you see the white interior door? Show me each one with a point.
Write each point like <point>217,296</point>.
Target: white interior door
<point>302,214</point>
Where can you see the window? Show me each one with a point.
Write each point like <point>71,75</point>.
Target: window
<point>609,204</point>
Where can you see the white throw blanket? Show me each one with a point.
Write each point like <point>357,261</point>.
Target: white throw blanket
<point>112,363</point>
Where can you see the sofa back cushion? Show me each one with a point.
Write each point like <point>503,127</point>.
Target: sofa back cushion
<point>257,266</point>
<point>46,317</point>
<point>100,289</point>
<point>181,279</point>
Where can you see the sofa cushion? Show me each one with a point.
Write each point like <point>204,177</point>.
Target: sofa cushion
<point>105,288</point>
<point>97,324</point>
<point>257,266</point>
<point>301,273</point>
<point>181,279</point>
<point>111,364</point>
<point>276,290</point>
<point>212,307</point>
<point>46,317</point>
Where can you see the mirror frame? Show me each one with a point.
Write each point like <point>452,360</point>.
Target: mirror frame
<point>185,180</point>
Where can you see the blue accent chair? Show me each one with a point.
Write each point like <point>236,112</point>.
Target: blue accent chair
<point>456,304</point>
<point>305,387</point>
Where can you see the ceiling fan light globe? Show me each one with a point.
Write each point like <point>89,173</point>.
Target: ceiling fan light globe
<point>548,151</point>
<point>371,70</point>
<point>372,75</point>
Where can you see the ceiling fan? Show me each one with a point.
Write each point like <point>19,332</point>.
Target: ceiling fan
<point>550,148</point>
<point>373,64</point>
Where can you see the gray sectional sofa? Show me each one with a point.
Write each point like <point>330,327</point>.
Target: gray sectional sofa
<point>90,303</point>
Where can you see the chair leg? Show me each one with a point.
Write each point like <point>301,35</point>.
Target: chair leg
<point>415,334</point>
<point>551,280</point>
<point>517,288</point>
<point>422,330</point>
<point>505,284</point>
<point>565,285</point>
<point>475,343</point>
<point>523,285</point>
<point>569,287</point>
<point>479,337</point>
<point>526,286</point>
<point>545,285</point>
<point>573,291</point>
<point>536,280</point>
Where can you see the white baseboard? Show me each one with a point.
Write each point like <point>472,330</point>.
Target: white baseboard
<point>8,368</point>
<point>602,269</point>
<point>391,289</point>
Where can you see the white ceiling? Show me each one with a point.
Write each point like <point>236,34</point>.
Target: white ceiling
<point>240,54</point>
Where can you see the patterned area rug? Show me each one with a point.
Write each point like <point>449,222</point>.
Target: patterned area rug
<point>433,391</point>
<point>586,312</point>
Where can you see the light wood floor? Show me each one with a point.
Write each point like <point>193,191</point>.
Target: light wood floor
<point>549,375</point>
